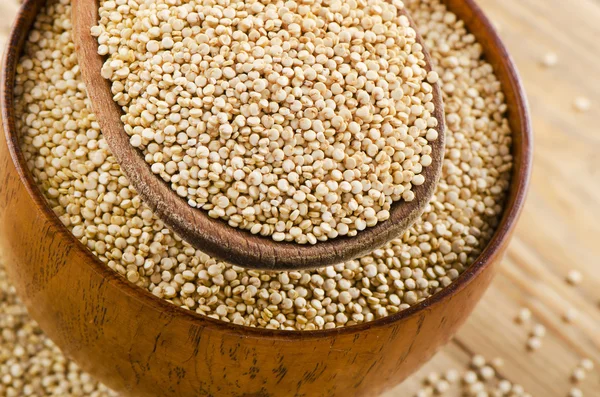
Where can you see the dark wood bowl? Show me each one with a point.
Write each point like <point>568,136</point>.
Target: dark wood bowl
<point>144,346</point>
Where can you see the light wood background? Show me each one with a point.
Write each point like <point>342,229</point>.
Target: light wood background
<point>560,228</point>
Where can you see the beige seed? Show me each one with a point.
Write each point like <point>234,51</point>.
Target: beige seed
<point>549,59</point>
<point>534,343</point>
<point>582,104</point>
<point>487,372</point>
<point>523,316</point>
<point>478,361</point>
<point>538,331</point>
<point>575,392</point>
<point>570,315</point>
<point>574,277</point>
<point>442,387</point>
<point>578,375</point>
<point>452,376</point>
<point>587,364</point>
<point>497,362</point>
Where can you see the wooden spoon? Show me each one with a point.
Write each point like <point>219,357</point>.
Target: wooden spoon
<point>215,237</point>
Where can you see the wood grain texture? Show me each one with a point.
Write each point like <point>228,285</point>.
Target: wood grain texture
<point>144,346</point>
<point>215,236</point>
<point>559,229</point>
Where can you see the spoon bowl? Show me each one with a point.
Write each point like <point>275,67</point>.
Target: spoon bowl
<point>213,236</point>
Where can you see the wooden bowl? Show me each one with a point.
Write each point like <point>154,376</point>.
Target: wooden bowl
<point>143,346</point>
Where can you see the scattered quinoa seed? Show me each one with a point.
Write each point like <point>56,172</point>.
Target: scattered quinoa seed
<point>470,377</point>
<point>30,363</point>
<point>426,392</point>
<point>442,386</point>
<point>570,315</point>
<point>539,331</point>
<point>433,378</point>
<point>452,376</point>
<point>523,316</point>
<point>550,59</point>
<point>478,361</point>
<point>504,386</point>
<point>478,380</point>
<point>575,392</point>
<point>487,372</point>
<point>587,364</point>
<point>534,343</point>
<point>578,375</point>
<point>574,277</point>
<point>497,362</point>
<point>582,104</point>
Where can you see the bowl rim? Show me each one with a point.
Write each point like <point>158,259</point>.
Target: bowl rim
<point>520,180</point>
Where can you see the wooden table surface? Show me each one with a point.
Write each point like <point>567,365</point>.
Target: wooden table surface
<point>560,228</point>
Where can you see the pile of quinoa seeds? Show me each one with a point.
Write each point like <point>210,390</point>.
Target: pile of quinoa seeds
<point>84,185</point>
<point>300,121</point>
<point>30,364</point>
